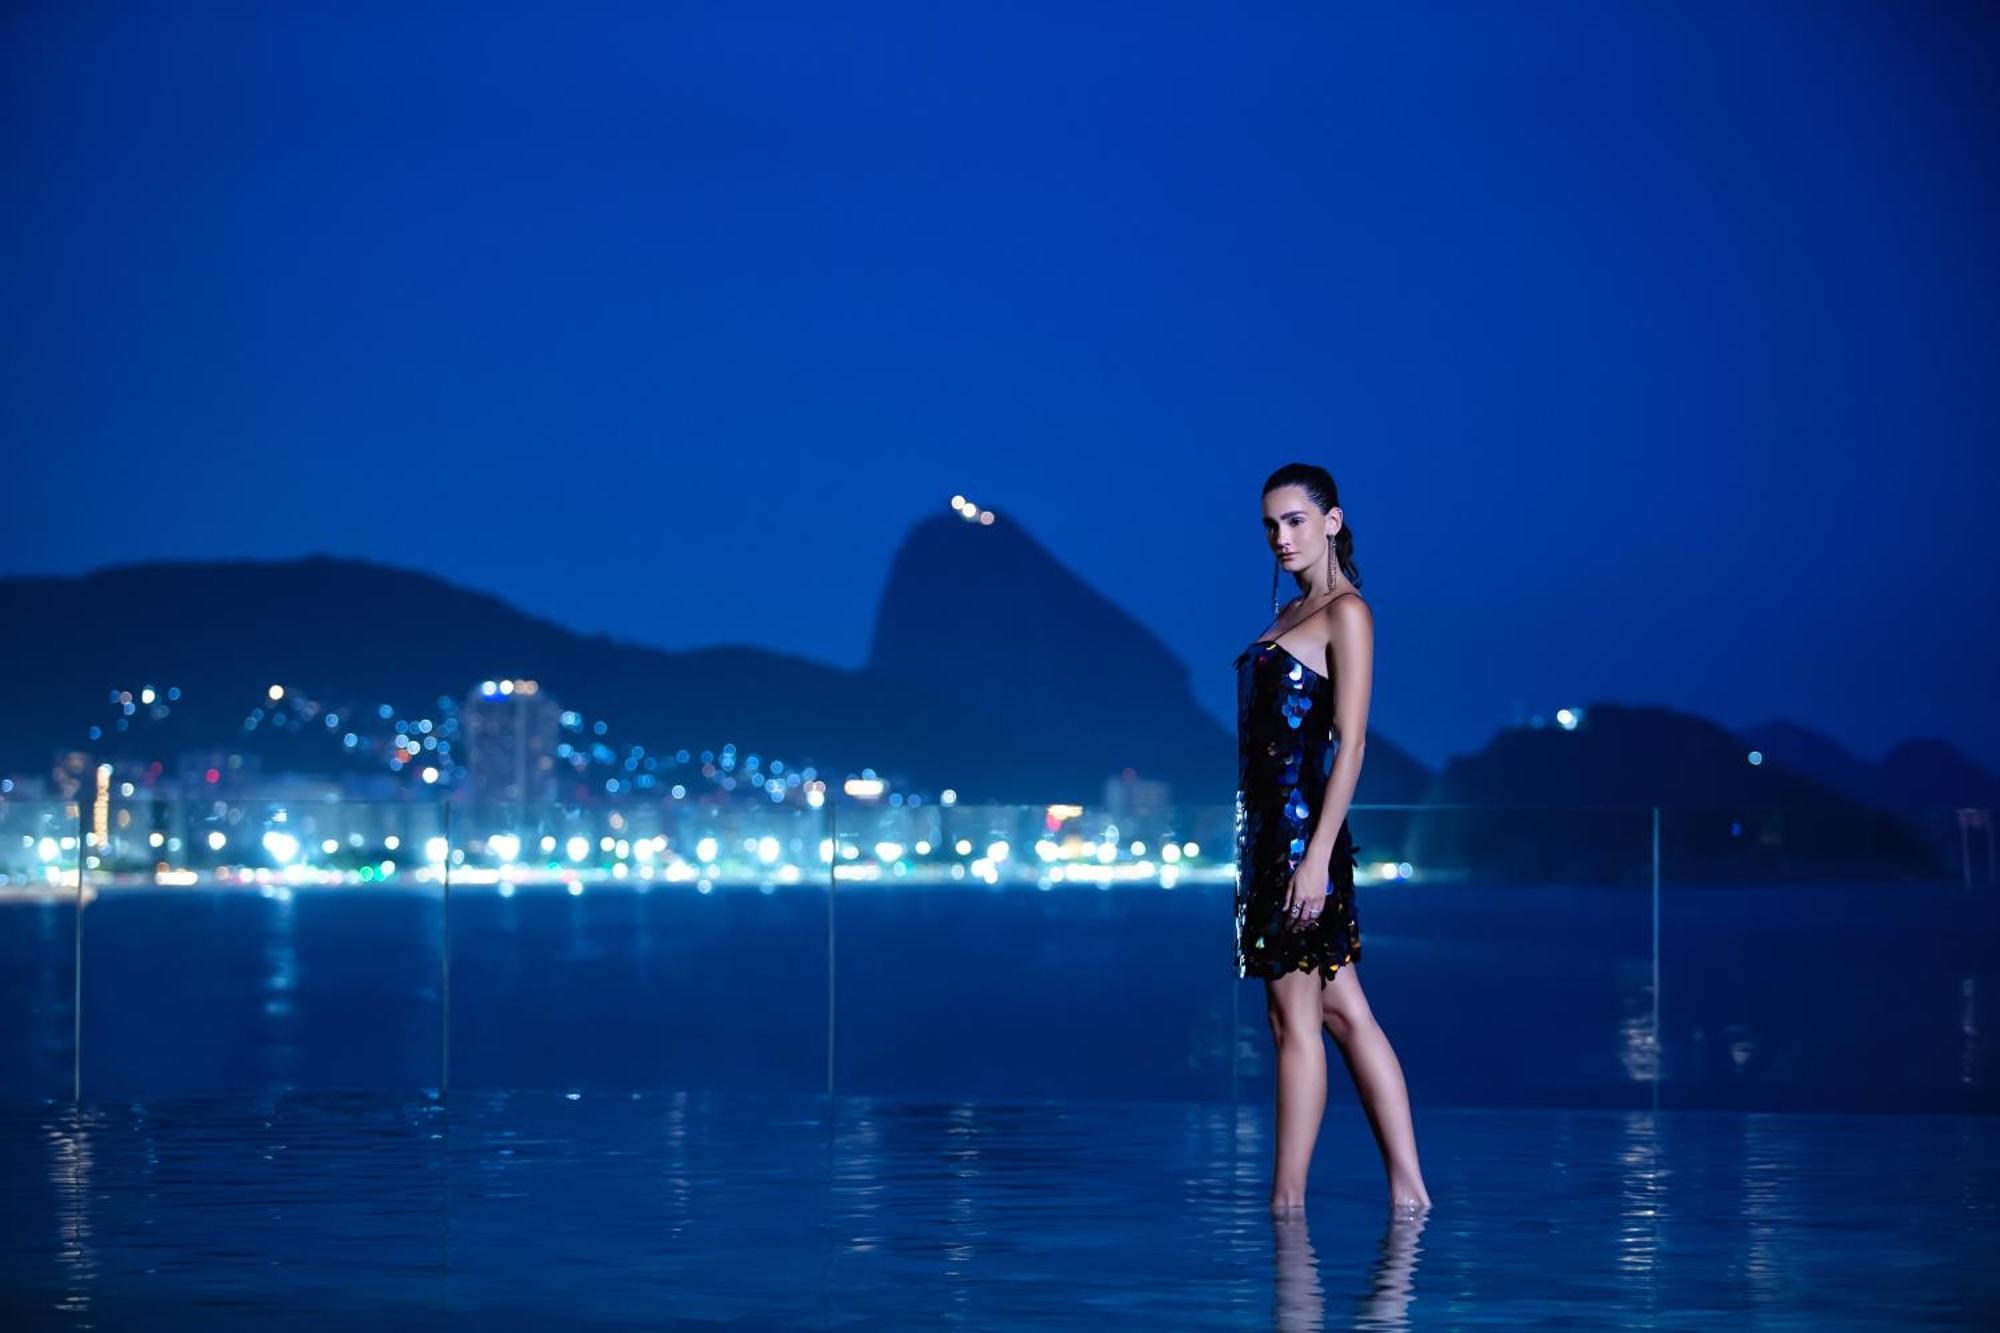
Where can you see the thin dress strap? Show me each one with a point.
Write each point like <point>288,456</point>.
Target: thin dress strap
<point>1310,614</point>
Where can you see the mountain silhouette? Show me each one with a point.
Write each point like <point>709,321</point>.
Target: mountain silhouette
<point>359,634</point>
<point>1588,794</point>
<point>994,671</point>
<point>1923,773</point>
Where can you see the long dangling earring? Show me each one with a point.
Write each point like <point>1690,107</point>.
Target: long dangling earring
<point>1332,560</point>
<point>1274,585</point>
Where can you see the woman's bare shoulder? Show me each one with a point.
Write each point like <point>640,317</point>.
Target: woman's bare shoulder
<point>1346,612</point>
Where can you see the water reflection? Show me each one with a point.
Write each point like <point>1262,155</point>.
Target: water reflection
<point>70,1176</point>
<point>1299,1301</point>
<point>1639,1212</point>
<point>637,1209</point>
<point>1299,1298</point>
<point>1392,1284</point>
<point>1767,1209</point>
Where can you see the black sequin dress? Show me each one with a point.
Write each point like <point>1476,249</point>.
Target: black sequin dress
<point>1284,756</point>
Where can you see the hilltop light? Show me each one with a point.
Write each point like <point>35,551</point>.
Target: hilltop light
<point>1756,756</point>
<point>1567,718</point>
<point>276,692</point>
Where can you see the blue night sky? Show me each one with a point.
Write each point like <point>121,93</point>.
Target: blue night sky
<point>1654,349</point>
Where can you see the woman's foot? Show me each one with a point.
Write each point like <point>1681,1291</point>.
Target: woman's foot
<point>1409,1195</point>
<point>1287,1201</point>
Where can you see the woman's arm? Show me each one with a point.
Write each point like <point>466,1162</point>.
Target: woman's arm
<point>1350,651</point>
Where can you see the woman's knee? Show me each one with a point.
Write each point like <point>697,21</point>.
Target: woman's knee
<point>1344,1010</point>
<point>1291,1010</point>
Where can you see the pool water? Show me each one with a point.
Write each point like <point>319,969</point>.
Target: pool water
<point>619,1209</point>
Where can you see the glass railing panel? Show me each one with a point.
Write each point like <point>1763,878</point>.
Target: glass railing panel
<point>1029,952</point>
<point>664,944</point>
<point>1506,951</point>
<point>40,844</point>
<point>1830,959</point>
<point>1064,952</point>
<point>261,943</point>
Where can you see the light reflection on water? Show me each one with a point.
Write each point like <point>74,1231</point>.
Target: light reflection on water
<point>518,1209</point>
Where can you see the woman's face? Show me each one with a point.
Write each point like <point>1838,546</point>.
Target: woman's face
<point>1295,527</point>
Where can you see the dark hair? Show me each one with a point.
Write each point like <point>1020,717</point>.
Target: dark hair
<point>1317,482</point>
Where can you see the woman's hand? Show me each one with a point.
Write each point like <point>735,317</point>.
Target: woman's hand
<point>1307,896</point>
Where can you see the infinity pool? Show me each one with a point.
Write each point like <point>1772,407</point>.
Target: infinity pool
<point>616,1210</point>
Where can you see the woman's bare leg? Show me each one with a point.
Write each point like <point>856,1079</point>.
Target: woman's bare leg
<point>1293,1003</point>
<point>1378,1080</point>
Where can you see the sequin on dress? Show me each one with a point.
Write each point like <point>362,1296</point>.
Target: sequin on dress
<point>1284,756</point>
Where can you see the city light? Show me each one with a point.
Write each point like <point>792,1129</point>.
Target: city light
<point>282,846</point>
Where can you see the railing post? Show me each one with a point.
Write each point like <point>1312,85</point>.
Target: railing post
<point>1659,1038</point>
<point>832,867</point>
<point>76,1002</point>
<point>444,964</point>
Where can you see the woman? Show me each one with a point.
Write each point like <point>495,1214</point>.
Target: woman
<point>1301,716</point>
